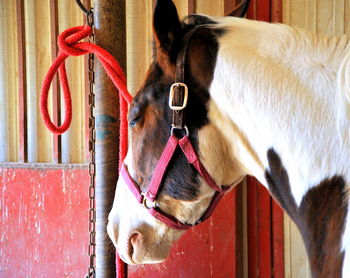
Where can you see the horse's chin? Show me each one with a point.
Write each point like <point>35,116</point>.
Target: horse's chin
<point>147,255</point>
<point>152,257</point>
<point>142,245</point>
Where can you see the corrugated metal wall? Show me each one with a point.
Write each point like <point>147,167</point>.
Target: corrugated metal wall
<point>23,137</point>
<point>329,17</point>
<point>31,141</point>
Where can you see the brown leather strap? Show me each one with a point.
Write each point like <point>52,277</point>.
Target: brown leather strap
<point>179,91</point>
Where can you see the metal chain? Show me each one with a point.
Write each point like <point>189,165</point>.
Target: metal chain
<point>92,165</point>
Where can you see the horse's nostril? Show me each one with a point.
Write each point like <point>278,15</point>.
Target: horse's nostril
<point>135,239</point>
<point>134,244</point>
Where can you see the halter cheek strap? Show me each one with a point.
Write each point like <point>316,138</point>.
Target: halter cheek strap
<point>148,199</point>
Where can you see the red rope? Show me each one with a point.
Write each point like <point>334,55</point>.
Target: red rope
<point>69,44</point>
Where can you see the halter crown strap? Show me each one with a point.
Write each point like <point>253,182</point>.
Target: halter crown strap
<point>179,90</point>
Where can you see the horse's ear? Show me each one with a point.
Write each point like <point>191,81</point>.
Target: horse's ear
<point>167,32</point>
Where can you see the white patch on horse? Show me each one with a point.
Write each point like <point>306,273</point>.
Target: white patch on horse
<point>274,83</point>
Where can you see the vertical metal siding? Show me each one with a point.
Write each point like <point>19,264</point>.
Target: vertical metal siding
<point>3,94</point>
<point>139,41</point>
<point>32,99</point>
<point>27,31</point>
<point>21,126</point>
<point>11,80</point>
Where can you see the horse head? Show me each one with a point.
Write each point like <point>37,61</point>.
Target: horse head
<point>184,50</point>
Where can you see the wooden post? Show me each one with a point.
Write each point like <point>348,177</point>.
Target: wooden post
<point>110,33</point>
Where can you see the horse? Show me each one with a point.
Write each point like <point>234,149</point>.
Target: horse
<point>229,97</point>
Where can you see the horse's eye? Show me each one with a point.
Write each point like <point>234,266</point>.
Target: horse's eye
<point>134,122</point>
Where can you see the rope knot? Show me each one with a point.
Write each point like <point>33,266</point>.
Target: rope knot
<point>68,40</point>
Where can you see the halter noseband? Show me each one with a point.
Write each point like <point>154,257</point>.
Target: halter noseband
<point>177,102</point>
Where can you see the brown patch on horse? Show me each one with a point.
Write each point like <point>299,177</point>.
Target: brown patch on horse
<point>324,210</point>
<point>279,186</point>
<point>320,218</point>
<point>202,50</point>
<point>149,137</point>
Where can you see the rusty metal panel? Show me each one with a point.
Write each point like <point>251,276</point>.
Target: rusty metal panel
<point>43,221</point>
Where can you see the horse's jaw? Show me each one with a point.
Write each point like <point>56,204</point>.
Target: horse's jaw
<point>226,151</point>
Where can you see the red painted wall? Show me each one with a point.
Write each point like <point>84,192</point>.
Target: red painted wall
<point>208,250</point>
<point>44,222</point>
<point>44,230</point>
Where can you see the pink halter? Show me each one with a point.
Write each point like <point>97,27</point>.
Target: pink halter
<point>149,198</point>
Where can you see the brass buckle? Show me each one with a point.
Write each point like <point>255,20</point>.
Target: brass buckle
<point>171,96</point>
<point>147,203</point>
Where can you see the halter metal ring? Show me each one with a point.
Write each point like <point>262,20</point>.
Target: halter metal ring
<point>172,93</point>
<point>147,203</point>
<point>174,127</point>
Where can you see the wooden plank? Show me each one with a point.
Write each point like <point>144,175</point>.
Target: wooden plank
<point>252,224</point>
<point>311,16</point>
<point>31,68</point>
<point>183,7</point>
<point>3,88</point>
<point>139,42</point>
<point>64,22</point>
<point>215,8</point>
<point>277,241</point>
<point>263,10</point>
<point>43,62</point>
<point>325,17</point>
<point>244,237</point>
<point>299,262</point>
<point>347,17</point>
<point>264,233</point>
<point>56,104</point>
<point>12,80</point>
<point>190,6</point>
<point>297,13</point>
<point>22,83</point>
<point>276,11</point>
<point>338,17</point>
<point>76,78</point>
<point>229,5</point>
<point>287,247</point>
<point>286,10</point>
<point>238,241</point>
<point>73,141</point>
<point>251,12</point>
